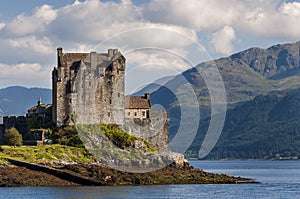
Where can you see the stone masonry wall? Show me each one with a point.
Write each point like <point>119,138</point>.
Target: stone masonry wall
<point>154,129</point>
<point>92,88</point>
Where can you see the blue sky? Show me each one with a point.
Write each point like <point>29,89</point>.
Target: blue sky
<point>158,37</point>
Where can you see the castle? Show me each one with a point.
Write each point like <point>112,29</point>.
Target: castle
<point>89,88</point>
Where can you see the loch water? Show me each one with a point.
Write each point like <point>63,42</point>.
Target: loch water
<point>279,179</point>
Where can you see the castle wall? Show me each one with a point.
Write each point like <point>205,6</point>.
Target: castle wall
<point>19,122</point>
<point>93,91</point>
<point>154,129</point>
<point>2,130</point>
<point>89,89</point>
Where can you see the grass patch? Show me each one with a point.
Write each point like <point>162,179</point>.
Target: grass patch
<point>46,153</point>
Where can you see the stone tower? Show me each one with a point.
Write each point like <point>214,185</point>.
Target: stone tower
<point>88,88</point>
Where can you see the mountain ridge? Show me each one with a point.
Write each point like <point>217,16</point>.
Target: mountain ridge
<point>16,100</point>
<point>266,127</point>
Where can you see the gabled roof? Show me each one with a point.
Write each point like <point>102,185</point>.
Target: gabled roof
<point>44,106</point>
<point>136,102</point>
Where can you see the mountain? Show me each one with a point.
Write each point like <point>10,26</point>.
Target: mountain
<point>17,100</point>
<point>150,88</point>
<point>263,128</point>
<point>245,75</point>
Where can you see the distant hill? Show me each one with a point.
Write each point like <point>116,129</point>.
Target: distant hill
<point>246,75</point>
<point>263,128</point>
<point>17,100</point>
<point>150,88</point>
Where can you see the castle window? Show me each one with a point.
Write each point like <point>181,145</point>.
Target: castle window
<point>70,101</point>
<point>90,83</point>
<point>144,113</point>
<point>110,101</point>
<point>119,94</point>
<point>68,87</point>
<point>108,114</point>
<point>128,113</point>
<point>135,113</point>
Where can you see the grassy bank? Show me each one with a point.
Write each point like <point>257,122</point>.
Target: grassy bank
<point>45,153</point>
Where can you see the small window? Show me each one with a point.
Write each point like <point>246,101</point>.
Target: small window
<point>135,114</point>
<point>108,114</point>
<point>144,113</point>
<point>119,94</point>
<point>110,101</point>
<point>70,101</point>
<point>128,113</point>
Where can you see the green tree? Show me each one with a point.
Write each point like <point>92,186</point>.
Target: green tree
<point>13,137</point>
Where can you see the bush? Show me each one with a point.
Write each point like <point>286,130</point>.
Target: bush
<point>66,135</point>
<point>13,137</point>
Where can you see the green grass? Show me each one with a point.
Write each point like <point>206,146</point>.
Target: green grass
<point>45,153</point>
<point>113,143</point>
<point>121,139</point>
<point>77,153</point>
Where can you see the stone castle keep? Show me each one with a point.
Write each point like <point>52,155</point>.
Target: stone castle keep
<point>89,85</point>
<point>89,88</point>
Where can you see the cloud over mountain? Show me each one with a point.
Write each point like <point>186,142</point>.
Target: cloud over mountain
<point>174,25</point>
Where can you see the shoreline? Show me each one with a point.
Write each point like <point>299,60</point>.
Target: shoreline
<point>194,159</point>
<point>19,176</point>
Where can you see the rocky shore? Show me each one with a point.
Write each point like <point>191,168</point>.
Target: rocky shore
<point>12,176</point>
<point>58,165</point>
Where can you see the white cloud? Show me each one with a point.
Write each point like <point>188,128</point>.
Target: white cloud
<point>291,9</point>
<point>267,18</point>
<point>31,43</point>
<point>222,40</point>
<point>35,23</point>
<point>166,24</point>
<point>32,74</point>
<point>199,15</point>
<point>2,25</point>
<point>156,60</point>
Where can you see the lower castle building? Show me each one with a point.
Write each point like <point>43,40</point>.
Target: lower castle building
<point>89,88</point>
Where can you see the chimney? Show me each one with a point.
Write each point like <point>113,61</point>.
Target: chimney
<point>115,51</point>
<point>59,56</point>
<point>40,102</point>
<point>147,96</point>
<point>110,53</point>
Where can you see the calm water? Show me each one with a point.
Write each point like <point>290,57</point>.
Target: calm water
<point>280,179</point>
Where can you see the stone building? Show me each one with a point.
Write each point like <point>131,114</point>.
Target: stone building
<point>137,107</point>
<point>35,137</point>
<point>42,112</point>
<point>89,86</point>
<point>19,122</point>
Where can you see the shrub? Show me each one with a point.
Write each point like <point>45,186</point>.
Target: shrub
<point>13,137</point>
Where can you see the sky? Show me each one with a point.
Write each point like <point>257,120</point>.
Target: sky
<point>158,37</point>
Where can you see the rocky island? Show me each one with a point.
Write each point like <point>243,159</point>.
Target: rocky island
<point>58,165</point>
<point>92,134</point>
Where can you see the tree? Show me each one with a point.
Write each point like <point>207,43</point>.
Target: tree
<point>13,137</point>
